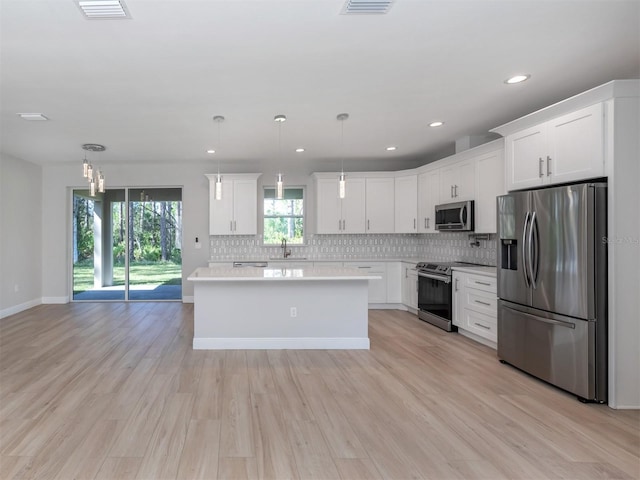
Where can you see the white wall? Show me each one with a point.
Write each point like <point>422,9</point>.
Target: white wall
<point>20,235</point>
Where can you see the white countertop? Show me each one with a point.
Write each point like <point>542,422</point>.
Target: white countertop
<point>249,274</point>
<point>477,269</point>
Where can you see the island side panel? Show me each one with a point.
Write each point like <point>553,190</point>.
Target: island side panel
<point>330,314</point>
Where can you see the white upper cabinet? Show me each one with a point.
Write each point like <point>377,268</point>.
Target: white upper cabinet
<point>565,149</point>
<point>489,185</point>
<point>237,212</point>
<point>457,181</point>
<point>328,206</point>
<point>428,198</point>
<point>380,200</point>
<point>335,215</point>
<point>353,206</point>
<point>406,204</point>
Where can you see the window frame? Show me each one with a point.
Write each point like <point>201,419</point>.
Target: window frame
<point>303,216</point>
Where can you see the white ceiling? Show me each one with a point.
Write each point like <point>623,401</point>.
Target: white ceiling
<point>148,87</point>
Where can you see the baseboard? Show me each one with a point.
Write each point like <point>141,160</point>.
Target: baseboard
<point>305,343</point>
<point>19,308</point>
<point>187,299</point>
<point>478,338</point>
<point>385,306</point>
<point>624,407</point>
<point>52,300</point>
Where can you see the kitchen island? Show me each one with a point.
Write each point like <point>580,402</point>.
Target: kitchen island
<point>280,308</point>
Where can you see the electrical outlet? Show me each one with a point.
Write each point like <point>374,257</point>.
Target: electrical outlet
<point>294,312</point>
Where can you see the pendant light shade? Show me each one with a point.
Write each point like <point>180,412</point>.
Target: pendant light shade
<point>92,187</point>
<point>279,187</point>
<point>279,119</point>
<point>90,173</point>
<point>85,167</point>
<point>218,193</point>
<point>100,182</point>
<point>342,182</point>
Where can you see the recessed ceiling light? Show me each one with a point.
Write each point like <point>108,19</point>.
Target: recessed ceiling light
<point>211,151</point>
<point>391,149</point>
<point>299,150</point>
<point>516,79</point>
<point>33,117</point>
<point>436,124</point>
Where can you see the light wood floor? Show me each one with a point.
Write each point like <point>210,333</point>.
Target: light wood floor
<point>114,391</point>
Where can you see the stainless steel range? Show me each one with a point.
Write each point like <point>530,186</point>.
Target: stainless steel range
<point>435,303</point>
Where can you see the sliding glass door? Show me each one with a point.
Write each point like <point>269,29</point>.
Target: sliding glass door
<point>127,244</point>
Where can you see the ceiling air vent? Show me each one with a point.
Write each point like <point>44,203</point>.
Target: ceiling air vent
<point>102,9</point>
<point>366,7</point>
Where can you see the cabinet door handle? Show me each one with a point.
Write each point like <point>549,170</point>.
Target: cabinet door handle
<point>425,222</point>
<point>231,225</point>
<point>482,303</point>
<point>482,283</point>
<point>540,162</point>
<point>368,225</point>
<point>428,222</point>
<point>414,223</point>
<point>455,190</point>
<point>548,165</point>
<point>451,191</point>
<point>482,326</point>
<point>457,280</point>
<point>339,225</point>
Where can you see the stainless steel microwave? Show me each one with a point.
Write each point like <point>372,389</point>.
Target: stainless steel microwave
<point>455,216</point>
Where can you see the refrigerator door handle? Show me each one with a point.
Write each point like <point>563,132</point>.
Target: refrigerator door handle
<point>535,248</point>
<point>532,277</point>
<point>550,321</point>
<point>524,250</point>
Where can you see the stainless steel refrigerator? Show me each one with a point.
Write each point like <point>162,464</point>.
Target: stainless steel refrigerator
<point>552,286</point>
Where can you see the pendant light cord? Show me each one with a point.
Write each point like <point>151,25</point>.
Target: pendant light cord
<point>342,145</point>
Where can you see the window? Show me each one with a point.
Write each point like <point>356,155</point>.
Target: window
<point>284,218</point>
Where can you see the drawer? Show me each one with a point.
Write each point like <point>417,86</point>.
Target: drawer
<point>483,325</point>
<point>480,301</point>
<point>488,284</point>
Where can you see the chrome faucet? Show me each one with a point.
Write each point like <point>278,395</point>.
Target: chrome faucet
<point>283,246</point>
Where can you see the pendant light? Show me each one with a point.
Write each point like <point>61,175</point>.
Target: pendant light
<point>279,119</point>
<point>342,182</point>
<point>85,167</point>
<point>100,181</point>
<point>218,188</point>
<point>95,179</point>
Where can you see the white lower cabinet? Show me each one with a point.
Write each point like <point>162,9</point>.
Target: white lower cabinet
<point>410,285</point>
<point>475,305</point>
<point>377,288</point>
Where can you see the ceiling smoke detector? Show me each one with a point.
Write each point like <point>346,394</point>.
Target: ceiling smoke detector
<point>366,7</point>
<point>103,9</point>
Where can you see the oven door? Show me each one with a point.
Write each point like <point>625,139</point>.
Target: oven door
<point>435,300</point>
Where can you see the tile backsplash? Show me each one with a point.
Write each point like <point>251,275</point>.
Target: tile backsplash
<point>439,247</point>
